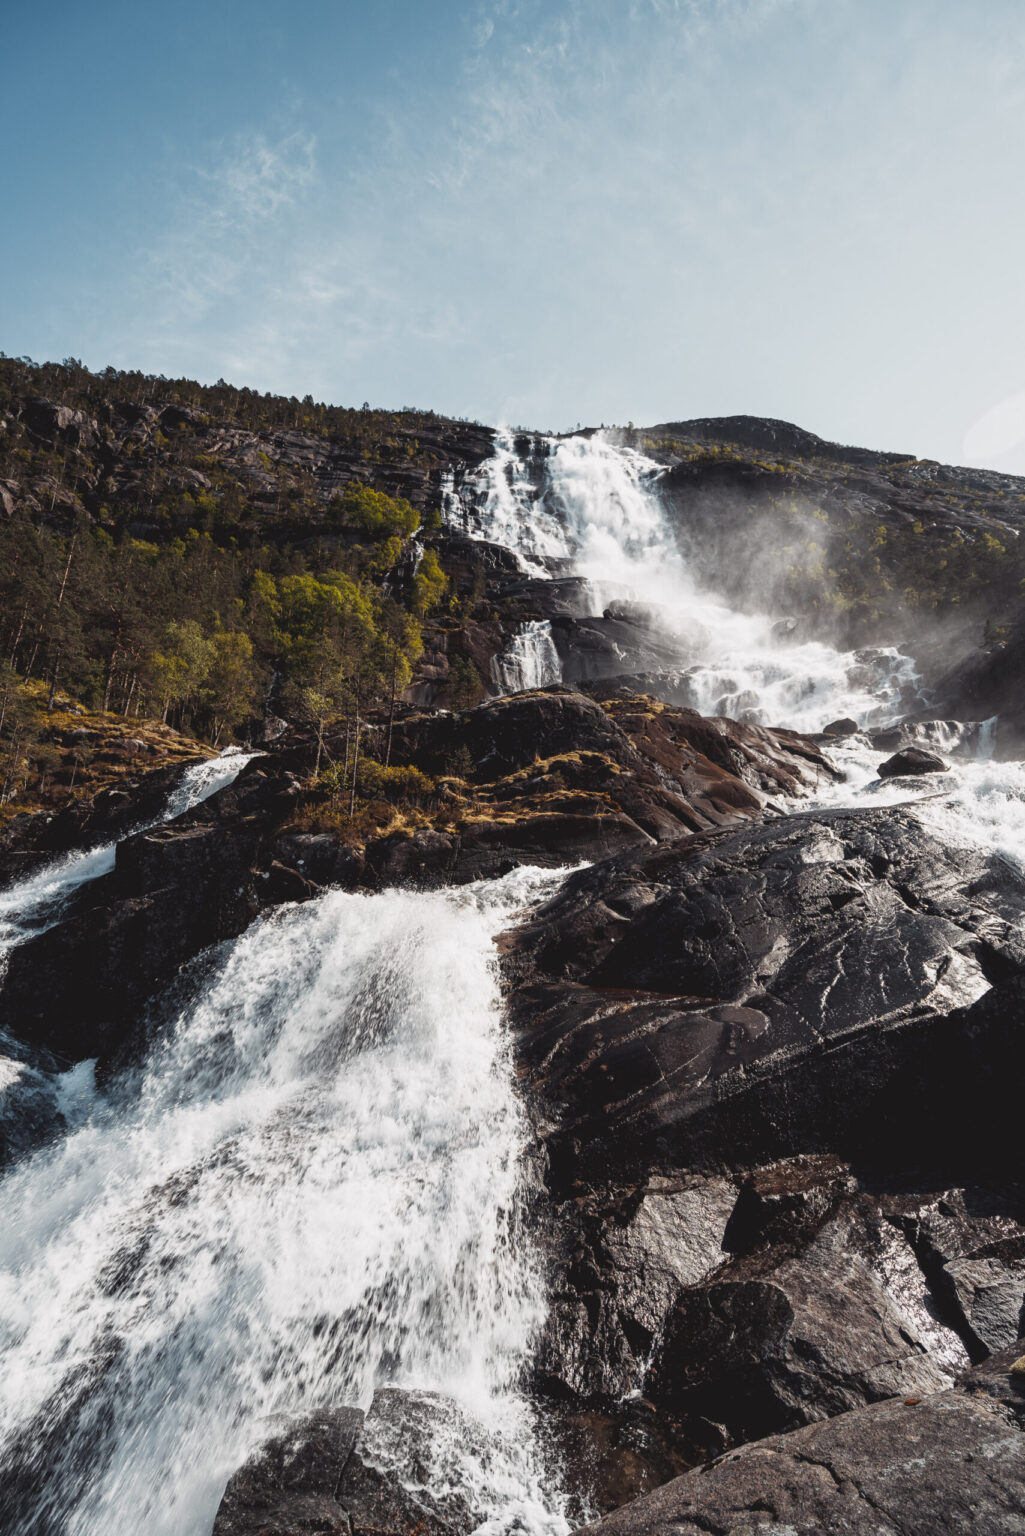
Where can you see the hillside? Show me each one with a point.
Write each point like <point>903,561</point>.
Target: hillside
<point>203,555</point>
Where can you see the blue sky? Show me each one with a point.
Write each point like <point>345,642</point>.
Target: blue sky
<point>544,213</point>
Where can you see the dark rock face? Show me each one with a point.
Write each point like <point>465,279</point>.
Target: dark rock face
<point>556,778</point>
<point>835,990</point>
<point>346,1474</point>
<point>806,985</point>
<point>988,682</point>
<point>740,1306</point>
<point>946,1464</point>
<point>30,840</point>
<point>779,1336</point>
<point>911,761</point>
<point>76,988</point>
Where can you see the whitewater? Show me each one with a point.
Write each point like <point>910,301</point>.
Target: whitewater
<point>312,1187</point>
<point>589,507</point>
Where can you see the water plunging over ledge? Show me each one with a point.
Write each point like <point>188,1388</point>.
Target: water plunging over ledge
<point>586,506</point>
<point>312,1187</point>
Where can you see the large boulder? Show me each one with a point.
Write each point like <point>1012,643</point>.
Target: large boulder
<point>909,762</point>
<point>810,984</point>
<point>77,988</point>
<point>745,1305</point>
<point>343,1473</point>
<point>944,1465</point>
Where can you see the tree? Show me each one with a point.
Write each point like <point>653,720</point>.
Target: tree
<point>178,672</point>
<point>231,682</point>
<point>429,584</point>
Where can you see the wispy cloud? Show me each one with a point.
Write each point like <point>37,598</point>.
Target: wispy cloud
<point>640,209</point>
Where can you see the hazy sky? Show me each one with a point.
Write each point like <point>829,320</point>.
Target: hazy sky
<point>576,210</point>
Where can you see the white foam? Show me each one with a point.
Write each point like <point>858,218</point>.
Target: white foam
<point>313,1188</point>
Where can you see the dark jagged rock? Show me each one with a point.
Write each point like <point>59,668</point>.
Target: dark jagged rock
<point>844,727</point>
<point>508,734</point>
<point>30,840</point>
<point>1002,1377</point>
<point>555,779</point>
<point>620,1260</point>
<point>944,1465</point>
<point>801,986</point>
<point>76,988</point>
<point>806,1327</point>
<point>755,1304</point>
<point>911,761</point>
<point>835,985</point>
<point>346,1474</point>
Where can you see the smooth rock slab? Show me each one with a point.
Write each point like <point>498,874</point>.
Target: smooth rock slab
<point>820,983</point>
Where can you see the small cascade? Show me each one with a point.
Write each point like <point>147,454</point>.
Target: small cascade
<point>313,1187</point>
<point>32,905</point>
<point>986,740</point>
<point>530,661</point>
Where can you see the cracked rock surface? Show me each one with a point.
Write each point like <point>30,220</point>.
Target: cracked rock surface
<point>776,1071</point>
<point>346,1473</point>
<point>793,986</point>
<point>947,1465</point>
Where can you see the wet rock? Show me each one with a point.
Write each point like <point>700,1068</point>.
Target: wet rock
<point>619,1264</point>
<point>844,727</point>
<point>77,988</point>
<point>344,1474</point>
<point>29,841</point>
<point>811,985</point>
<point>910,761</point>
<point>293,1481</point>
<point>947,1463</point>
<point>320,858</point>
<point>973,1248</point>
<point>609,1456</point>
<point>285,884</point>
<point>778,1337</point>
<point>272,728</point>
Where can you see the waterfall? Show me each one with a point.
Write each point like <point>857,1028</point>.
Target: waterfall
<point>312,1187</point>
<point>590,507</point>
<point>501,503</point>
<point>530,661</point>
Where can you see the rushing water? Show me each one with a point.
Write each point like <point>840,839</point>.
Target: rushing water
<point>585,506</point>
<point>312,1188</point>
<point>531,661</point>
<point>33,904</point>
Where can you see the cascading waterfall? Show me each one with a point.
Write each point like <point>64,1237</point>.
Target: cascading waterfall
<point>531,661</point>
<point>28,1085</point>
<point>587,506</point>
<point>501,504</point>
<point>312,1187</point>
